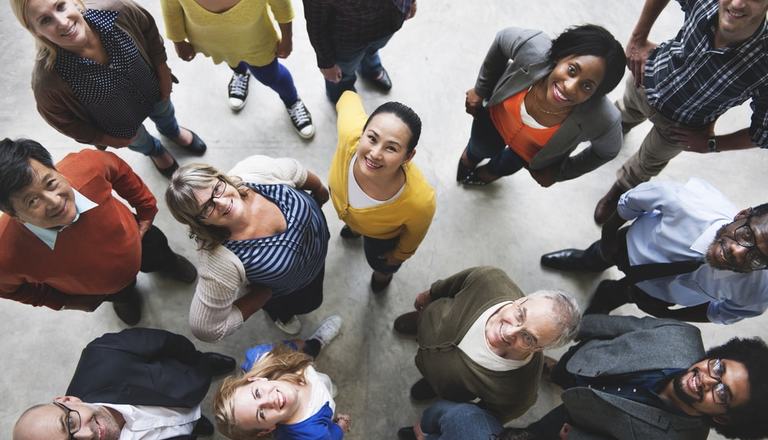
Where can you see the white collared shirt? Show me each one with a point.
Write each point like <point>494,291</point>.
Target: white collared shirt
<point>474,345</point>
<point>48,236</point>
<point>676,222</point>
<point>145,422</point>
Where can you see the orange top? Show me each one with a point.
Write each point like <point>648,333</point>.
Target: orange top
<point>524,140</point>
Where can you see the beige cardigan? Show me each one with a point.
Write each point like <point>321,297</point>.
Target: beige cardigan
<point>221,275</point>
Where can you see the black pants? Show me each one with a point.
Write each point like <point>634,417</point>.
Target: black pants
<point>302,301</point>
<point>156,256</point>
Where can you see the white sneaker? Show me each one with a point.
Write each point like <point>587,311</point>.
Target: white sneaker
<point>292,327</point>
<point>301,119</point>
<point>328,330</point>
<point>238,90</point>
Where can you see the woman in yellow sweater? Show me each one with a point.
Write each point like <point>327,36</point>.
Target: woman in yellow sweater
<point>243,33</point>
<point>376,190</point>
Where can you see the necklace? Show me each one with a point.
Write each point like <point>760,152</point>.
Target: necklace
<point>541,107</point>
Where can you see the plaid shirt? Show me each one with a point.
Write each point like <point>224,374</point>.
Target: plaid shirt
<point>348,25</point>
<point>691,82</point>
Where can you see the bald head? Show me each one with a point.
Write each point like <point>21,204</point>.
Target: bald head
<point>54,421</point>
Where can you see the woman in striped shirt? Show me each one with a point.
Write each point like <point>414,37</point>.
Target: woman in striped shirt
<point>263,242</point>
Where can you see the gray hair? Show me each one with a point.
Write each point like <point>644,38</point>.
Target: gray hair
<point>567,314</point>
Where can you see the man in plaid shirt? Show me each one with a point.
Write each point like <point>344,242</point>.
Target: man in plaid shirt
<point>718,60</point>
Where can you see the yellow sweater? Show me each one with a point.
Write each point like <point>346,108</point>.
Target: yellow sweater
<point>408,216</point>
<point>245,32</point>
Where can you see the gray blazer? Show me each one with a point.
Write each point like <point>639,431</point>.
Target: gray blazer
<point>626,344</point>
<point>517,59</point>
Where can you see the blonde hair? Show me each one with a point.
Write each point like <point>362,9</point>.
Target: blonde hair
<point>181,201</point>
<point>280,363</point>
<point>46,51</point>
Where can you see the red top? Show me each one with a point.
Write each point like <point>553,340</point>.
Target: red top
<point>97,255</point>
<point>524,140</point>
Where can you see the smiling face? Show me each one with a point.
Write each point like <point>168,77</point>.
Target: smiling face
<point>383,146</point>
<point>47,202</point>
<point>58,21</point>
<point>737,20</point>
<point>726,253</point>
<point>573,80</point>
<point>49,422</point>
<point>262,404</point>
<point>228,205</point>
<point>522,327</point>
<point>697,392</point>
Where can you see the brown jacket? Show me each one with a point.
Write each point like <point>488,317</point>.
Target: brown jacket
<point>55,100</point>
<point>457,302</point>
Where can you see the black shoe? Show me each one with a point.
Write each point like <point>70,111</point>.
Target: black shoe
<point>197,146</point>
<point>406,433</point>
<point>568,260</point>
<point>422,390</point>
<point>377,286</point>
<point>182,270</point>
<point>462,172</point>
<point>518,434</point>
<point>218,364</point>
<point>129,311</point>
<point>238,90</point>
<point>168,172</point>
<point>405,324</point>
<point>347,232</point>
<point>203,427</point>
<point>381,81</point>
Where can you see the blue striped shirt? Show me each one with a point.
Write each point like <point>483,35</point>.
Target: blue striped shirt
<point>288,261</point>
<point>689,81</point>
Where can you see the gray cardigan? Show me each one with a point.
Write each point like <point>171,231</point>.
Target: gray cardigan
<point>517,59</point>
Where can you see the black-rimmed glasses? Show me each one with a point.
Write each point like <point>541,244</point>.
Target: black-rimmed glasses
<point>744,235</point>
<point>207,209</point>
<point>71,418</point>
<point>720,392</point>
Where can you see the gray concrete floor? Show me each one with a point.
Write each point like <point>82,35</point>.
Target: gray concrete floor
<point>432,61</point>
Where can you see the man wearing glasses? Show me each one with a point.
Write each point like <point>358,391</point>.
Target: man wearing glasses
<point>688,246</point>
<point>137,384</point>
<point>480,337</point>
<point>647,378</point>
<point>67,241</point>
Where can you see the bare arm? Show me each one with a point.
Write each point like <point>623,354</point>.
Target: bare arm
<point>638,46</point>
<point>315,186</point>
<point>253,301</point>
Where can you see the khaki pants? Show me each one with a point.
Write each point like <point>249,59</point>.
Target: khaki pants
<point>657,148</point>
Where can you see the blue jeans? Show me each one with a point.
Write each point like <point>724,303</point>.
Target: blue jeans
<point>486,142</point>
<point>164,117</point>
<point>446,420</point>
<point>275,76</point>
<point>366,60</point>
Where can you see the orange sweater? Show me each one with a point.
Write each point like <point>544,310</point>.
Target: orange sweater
<point>97,255</point>
<point>524,140</point>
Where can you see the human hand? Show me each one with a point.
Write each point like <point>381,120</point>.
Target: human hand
<point>321,195</point>
<point>422,301</point>
<point>418,431</point>
<point>565,430</point>
<point>284,47</point>
<point>473,102</point>
<point>144,226</point>
<point>164,81</point>
<point>411,12</point>
<point>545,177</point>
<point>695,141</point>
<point>332,74</point>
<point>184,50</point>
<point>344,421</point>
<point>637,52</point>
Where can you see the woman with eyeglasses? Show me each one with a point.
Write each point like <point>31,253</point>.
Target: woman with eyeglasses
<point>263,241</point>
<point>100,71</point>
<point>536,99</point>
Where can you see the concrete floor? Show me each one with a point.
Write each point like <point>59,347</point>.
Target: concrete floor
<point>432,61</point>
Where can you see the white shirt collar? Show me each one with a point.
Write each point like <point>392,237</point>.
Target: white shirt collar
<point>48,236</point>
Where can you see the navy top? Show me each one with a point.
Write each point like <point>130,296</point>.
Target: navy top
<point>288,261</point>
<point>119,95</point>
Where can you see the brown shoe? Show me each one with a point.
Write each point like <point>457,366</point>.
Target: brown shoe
<point>607,205</point>
<point>405,324</point>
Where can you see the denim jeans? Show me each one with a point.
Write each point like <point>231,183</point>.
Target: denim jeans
<point>275,76</point>
<point>365,59</point>
<point>164,117</point>
<point>486,142</point>
<point>446,420</point>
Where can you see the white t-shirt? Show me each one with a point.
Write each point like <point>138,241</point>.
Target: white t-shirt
<point>358,198</point>
<point>474,345</point>
<point>145,422</point>
<point>321,390</point>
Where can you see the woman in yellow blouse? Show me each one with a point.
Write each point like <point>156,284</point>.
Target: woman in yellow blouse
<point>244,34</point>
<point>376,190</point>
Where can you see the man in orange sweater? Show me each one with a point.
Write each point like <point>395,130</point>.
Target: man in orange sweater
<point>66,242</point>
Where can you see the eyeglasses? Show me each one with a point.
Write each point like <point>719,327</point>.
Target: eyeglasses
<point>744,235</point>
<point>72,418</point>
<point>527,340</point>
<point>207,209</point>
<point>720,393</point>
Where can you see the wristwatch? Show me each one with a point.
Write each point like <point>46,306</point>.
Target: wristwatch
<point>712,145</point>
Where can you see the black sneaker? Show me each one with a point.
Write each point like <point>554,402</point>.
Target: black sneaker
<point>129,310</point>
<point>238,90</point>
<point>422,390</point>
<point>301,119</point>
